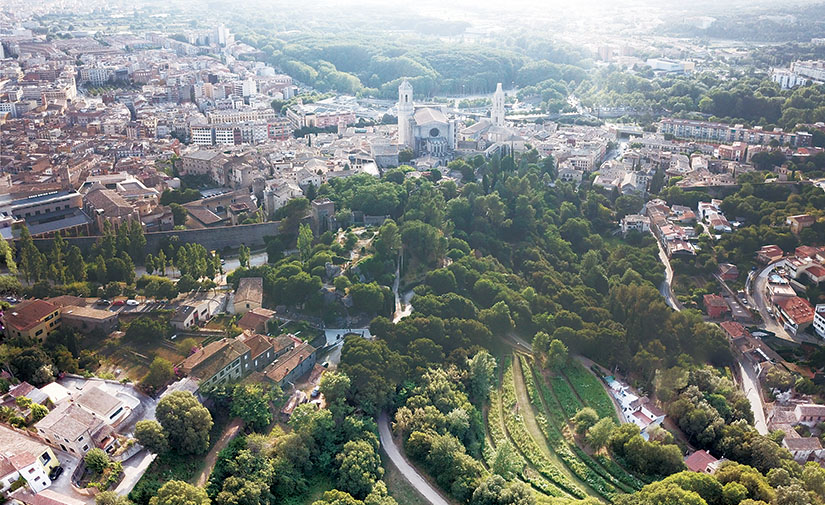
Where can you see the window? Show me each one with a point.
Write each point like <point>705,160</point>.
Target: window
<point>85,448</point>
<point>80,439</point>
<point>38,332</point>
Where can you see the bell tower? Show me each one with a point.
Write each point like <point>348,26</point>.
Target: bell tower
<point>497,114</point>
<point>405,112</point>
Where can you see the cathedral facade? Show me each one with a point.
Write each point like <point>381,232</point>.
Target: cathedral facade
<point>426,129</point>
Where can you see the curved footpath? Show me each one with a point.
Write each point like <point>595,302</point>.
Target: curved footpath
<point>411,474</point>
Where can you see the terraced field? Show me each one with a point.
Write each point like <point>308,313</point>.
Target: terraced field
<point>532,413</point>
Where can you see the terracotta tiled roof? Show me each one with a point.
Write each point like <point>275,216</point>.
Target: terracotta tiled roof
<point>28,314</point>
<point>699,461</point>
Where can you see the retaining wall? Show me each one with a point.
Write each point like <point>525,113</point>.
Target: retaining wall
<point>251,235</point>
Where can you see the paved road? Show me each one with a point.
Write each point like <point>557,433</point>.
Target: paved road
<point>411,474</point>
<point>133,470</point>
<point>758,298</point>
<point>666,288</point>
<point>750,385</point>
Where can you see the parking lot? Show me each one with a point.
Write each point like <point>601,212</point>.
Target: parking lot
<point>736,309</point>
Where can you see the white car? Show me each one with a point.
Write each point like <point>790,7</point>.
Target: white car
<point>132,303</point>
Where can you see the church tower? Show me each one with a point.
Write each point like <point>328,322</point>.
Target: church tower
<point>405,112</point>
<point>497,114</point>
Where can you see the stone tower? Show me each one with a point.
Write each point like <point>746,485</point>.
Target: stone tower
<point>405,112</point>
<point>497,114</point>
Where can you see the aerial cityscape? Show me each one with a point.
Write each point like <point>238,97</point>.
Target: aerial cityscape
<point>436,253</point>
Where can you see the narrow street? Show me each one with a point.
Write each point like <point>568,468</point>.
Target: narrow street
<point>750,385</point>
<point>666,288</point>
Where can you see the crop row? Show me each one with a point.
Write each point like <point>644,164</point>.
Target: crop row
<point>558,445</point>
<point>590,390</point>
<point>553,409</point>
<point>528,446</point>
<point>567,398</point>
<point>499,437</point>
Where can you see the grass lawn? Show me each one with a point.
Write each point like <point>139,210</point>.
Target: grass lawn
<point>398,487</point>
<point>133,358</point>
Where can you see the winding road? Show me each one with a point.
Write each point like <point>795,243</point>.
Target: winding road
<point>411,474</point>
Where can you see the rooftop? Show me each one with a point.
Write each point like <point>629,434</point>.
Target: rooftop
<point>699,461</point>
<point>798,309</point>
<point>97,400</point>
<point>27,314</point>
<point>206,362</point>
<point>255,318</point>
<point>285,364</point>
<point>250,289</point>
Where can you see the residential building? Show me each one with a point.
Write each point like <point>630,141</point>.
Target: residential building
<point>45,497</point>
<point>255,320</point>
<point>796,313</point>
<point>250,294</point>
<point>222,361</point>
<point>635,222</point>
<point>26,457</point>
<point>728,271</point>
<point>819,320</point>
<point>702,462</point>
<point>800,222</point>
<point>769,254</point>
<point>102,405</point>
<point>718,133</point>
<point>715,306</point>
<point>88,319</point>
<point>295,363</point>
<point>71,428</point>
<point>35,319</point>
<point>194,311</point>
<point>635,409</point>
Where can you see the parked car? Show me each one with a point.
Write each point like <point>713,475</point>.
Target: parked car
<point>11,299</point>
<point>132,303</point>
<point>315,393</point>
<point>325,364</point>
<point>55,473</point>
<point>118,303</point>
<point>104,301</point>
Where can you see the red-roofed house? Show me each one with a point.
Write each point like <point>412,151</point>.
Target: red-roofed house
<point>715,306</point>
<point>816,273</point>
<point>769,254</point>
<point>255,320</point>
<point>797,313</point>
<point>805,252</point>
<point>702,462</point>
<point>734,330</point>
<point>32,318</point>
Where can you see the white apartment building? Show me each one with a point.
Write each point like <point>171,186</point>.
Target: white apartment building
<point>819,320</point>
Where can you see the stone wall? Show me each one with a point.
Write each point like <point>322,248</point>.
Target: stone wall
<point>251,235</point>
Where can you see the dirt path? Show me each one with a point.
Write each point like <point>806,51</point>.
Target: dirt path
<point>529,416</point>
<point>228,434</point>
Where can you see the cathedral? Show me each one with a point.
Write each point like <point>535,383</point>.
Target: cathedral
<point>487,132</point>
<point>425,129</point>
